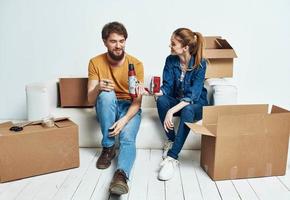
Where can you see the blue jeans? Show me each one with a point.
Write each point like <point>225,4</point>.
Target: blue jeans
<point>189,113</point>
<point>109,109</point>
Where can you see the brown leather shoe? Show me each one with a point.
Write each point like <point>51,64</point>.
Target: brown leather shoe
<point>107,155</point>
<point>119,185</point>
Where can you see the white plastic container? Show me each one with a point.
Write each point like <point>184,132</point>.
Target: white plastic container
<point>37,101</point>
<point>224,91</point>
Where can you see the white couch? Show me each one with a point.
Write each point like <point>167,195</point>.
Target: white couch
<point>42,101</point>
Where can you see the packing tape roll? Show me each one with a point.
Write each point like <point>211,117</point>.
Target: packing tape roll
<point>47,122</point>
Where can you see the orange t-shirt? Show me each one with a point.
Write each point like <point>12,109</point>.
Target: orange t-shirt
<point>99,68</point>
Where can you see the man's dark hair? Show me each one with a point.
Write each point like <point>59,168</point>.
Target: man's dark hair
<point>114,27</point>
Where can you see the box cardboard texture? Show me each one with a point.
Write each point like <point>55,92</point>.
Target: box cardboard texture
<point>37,150</point>
<point>73,92</point>
<point>243,141</point>
<point>220,56</point>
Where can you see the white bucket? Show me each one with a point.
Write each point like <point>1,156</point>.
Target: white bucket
<point>224,91</point>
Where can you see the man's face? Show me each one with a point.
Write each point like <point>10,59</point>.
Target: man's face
<point>115,44</point>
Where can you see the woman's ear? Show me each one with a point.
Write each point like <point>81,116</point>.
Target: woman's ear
<point>186,48</point>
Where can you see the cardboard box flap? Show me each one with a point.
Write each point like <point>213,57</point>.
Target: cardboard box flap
<point>216,47</point>
<point>211,113</point>
<point>210,41</point>
<point>223,44</point>
<point>219,53</point>
<point>277,109</point>
<point>199,129</point>
<point>63,123</point>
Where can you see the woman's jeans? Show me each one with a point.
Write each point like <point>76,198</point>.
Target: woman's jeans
<point>109,109</point>
<point>189,113</point>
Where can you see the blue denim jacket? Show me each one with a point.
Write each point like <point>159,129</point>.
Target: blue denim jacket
<point>191,88</point>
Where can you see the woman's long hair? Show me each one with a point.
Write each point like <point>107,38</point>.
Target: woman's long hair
<point>195,42</point>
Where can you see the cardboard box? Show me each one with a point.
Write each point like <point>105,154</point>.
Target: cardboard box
<point>73,92</point>
<point>243,141</point>
<point>37,150</point>
<point>220,56</point>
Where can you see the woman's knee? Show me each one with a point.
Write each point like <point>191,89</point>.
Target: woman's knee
<point>188,109</point>
<point>191,112</point>
<point>162,101</point>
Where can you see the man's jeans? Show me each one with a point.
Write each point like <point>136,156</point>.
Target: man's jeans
<point>109,109</point>
<point>189,113</point>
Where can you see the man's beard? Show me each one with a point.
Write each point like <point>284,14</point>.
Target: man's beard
<point>116,57</point>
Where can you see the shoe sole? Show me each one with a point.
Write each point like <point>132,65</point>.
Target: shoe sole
<point>164,179</point>
<point>118,189</point>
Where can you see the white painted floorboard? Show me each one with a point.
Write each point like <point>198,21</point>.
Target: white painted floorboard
<point>190,182</point>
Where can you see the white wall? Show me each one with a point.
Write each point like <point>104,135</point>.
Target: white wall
<point>42,40</point>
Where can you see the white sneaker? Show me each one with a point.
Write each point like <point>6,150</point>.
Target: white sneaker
<point>168,166</point>
<point>167,145</point>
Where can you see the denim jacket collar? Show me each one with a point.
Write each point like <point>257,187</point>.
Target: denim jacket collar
<point>190,64</point>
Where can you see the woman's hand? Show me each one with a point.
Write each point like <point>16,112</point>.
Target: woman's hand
<point>118,126</point>
<point>168,121</point>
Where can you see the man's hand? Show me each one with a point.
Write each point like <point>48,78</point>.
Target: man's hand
<point>168,122</point>
<point>106,85</point>
<point>118,126</point>
<point>141,90</point>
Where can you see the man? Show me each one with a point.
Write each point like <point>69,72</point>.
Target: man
<point>117,113</point>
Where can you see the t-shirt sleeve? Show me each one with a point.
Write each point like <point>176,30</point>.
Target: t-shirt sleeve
<point>140,72</point>
<point>93,74</point>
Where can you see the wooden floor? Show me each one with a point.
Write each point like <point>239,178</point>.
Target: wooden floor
<point>190,182</point>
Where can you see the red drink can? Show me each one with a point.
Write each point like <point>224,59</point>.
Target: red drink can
<point>155,84</point>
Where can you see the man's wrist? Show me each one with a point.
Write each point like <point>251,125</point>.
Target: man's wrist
<point>126,118</point>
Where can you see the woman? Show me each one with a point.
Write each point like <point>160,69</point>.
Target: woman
<point>182,93</point>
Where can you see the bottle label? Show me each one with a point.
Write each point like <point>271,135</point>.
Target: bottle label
<point>132,84</point>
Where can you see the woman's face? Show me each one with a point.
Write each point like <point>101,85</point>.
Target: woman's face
<point>175,46</point>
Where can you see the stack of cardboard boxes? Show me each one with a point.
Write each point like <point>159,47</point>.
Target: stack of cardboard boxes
<point>240,141</point>
<point>220,56</point>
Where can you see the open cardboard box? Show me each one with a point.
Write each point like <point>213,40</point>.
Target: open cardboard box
<point>37,150</point>
<point>243,141</point>
<point>220,56</point>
